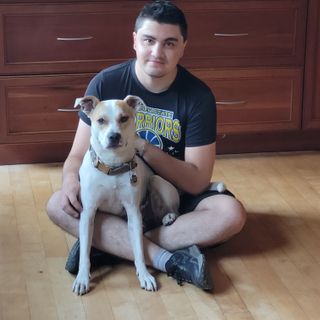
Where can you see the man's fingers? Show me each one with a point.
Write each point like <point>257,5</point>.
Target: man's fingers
<point>70,208</point>
<point>76,204</point>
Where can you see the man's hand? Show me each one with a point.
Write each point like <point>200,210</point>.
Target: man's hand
<point>140,145</point>
<point>70,196</point>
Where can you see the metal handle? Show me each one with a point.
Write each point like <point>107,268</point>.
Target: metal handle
<point>75,39</point>
<point>230,103</point>
<point>67,110</point>
<point>231,34</point>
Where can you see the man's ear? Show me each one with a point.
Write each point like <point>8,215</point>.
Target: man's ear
<point>134,38</point>
<point>135,102</point>
<point>88,103</point>
<point>184,47</point>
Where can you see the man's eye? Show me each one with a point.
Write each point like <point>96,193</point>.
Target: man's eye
<point>170,44</point>
<point>124,119</point>
<point>148,41</point>
<point>101,121</point>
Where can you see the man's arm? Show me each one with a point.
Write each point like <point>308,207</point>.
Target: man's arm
<point>192,175</point>
<point>70,184</point>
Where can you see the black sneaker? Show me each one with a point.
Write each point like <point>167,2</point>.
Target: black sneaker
<point>189,265</point>
<point>98,258</point>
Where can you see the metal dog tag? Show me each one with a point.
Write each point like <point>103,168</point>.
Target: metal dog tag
<point>133,178</point>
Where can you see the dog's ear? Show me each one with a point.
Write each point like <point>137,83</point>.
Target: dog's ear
<point>134,102</point>
<point>88,103</point>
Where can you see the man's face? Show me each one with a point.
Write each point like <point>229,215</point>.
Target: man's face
<point>159,47</point>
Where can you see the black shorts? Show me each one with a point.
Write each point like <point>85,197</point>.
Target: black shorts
<point>188,202</point>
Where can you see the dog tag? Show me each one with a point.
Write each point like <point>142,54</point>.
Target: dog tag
<point>133,178</point>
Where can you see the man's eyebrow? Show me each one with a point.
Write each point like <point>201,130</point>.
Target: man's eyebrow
<point>167,39</point>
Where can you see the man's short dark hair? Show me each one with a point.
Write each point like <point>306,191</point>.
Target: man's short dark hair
<point>163,11</point>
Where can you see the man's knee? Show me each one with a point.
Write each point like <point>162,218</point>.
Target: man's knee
<point>238,215</point>
<point>52,207</point>
<point>232,209</point>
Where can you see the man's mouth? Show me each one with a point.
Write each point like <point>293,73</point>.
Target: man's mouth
<point>158,62</point>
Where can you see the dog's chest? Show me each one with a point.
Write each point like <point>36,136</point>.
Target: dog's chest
<point>115,193</point>
<point>111,193</point>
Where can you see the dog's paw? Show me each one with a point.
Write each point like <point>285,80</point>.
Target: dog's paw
<point>169,218</point>
<point>81,284</point>
<point>147,281</point>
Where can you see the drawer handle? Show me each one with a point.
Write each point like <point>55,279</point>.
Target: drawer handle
<point>75,39</point>
<point>231,103</point>
<point>231,34</point>
<point>67,110</point>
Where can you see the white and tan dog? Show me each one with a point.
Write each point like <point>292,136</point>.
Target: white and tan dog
<point>114,180</point>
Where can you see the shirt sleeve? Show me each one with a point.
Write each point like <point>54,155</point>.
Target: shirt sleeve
<point>202,122</point>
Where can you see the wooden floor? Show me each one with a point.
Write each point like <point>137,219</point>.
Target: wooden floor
<point>270,271</point>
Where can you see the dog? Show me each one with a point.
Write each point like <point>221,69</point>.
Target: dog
<point>115,180</point>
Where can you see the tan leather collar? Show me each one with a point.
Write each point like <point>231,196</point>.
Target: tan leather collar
<point>112,171</point>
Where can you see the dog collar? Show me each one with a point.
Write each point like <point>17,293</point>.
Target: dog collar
<point>112,171</point>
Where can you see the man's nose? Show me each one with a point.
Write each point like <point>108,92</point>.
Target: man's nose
<point>157,50</point>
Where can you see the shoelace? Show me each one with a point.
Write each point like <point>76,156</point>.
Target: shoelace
<point>176,274</point>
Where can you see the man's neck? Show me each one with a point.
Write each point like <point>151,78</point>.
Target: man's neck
<point>155,84</point>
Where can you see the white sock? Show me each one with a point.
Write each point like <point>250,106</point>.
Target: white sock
<point>161,259</point>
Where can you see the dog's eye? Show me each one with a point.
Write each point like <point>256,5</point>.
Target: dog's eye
<point>101,121</point>
<point>124,119</point>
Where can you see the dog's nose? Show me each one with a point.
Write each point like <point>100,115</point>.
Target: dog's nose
<point>114,139</point>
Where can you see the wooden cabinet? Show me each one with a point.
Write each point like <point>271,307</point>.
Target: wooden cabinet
<point>311,110</point>
<point>261,59</point>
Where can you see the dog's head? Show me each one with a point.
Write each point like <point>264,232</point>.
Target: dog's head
<point>112,121</point>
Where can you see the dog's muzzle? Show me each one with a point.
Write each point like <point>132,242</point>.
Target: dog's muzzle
<point>114,140</point>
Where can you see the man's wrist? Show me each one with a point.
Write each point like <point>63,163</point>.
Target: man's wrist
<point>143,148</point>
<point>70,176</point>
<point>141,145</point>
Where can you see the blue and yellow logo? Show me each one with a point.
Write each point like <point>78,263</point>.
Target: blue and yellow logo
<point>152,124</point>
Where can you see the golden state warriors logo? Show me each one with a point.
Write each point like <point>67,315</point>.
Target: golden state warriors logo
<point>152,124</point>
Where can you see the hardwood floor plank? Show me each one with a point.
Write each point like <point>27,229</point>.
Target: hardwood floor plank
<point>14,306</point>
<point>96,303</point>
<point>68,305</point>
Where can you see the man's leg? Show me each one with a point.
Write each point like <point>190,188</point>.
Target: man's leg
<point>110,232</point>
<point>214,220</point>
<point>111,235</point>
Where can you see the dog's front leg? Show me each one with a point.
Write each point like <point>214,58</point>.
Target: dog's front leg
<point>147,281</point>
<point>81,284</point>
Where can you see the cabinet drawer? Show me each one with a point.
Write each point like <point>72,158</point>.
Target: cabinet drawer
<point>66,38</point>
<point>29,107</point>
<point>256,100</point>
<point>236,33</point>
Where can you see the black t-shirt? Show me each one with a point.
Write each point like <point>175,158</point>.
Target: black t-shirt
<point>182,116</point>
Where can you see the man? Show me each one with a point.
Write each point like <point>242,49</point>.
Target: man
<point>180,123</point>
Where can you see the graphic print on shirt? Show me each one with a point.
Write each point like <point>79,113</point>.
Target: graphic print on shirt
<point>159,127</point>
